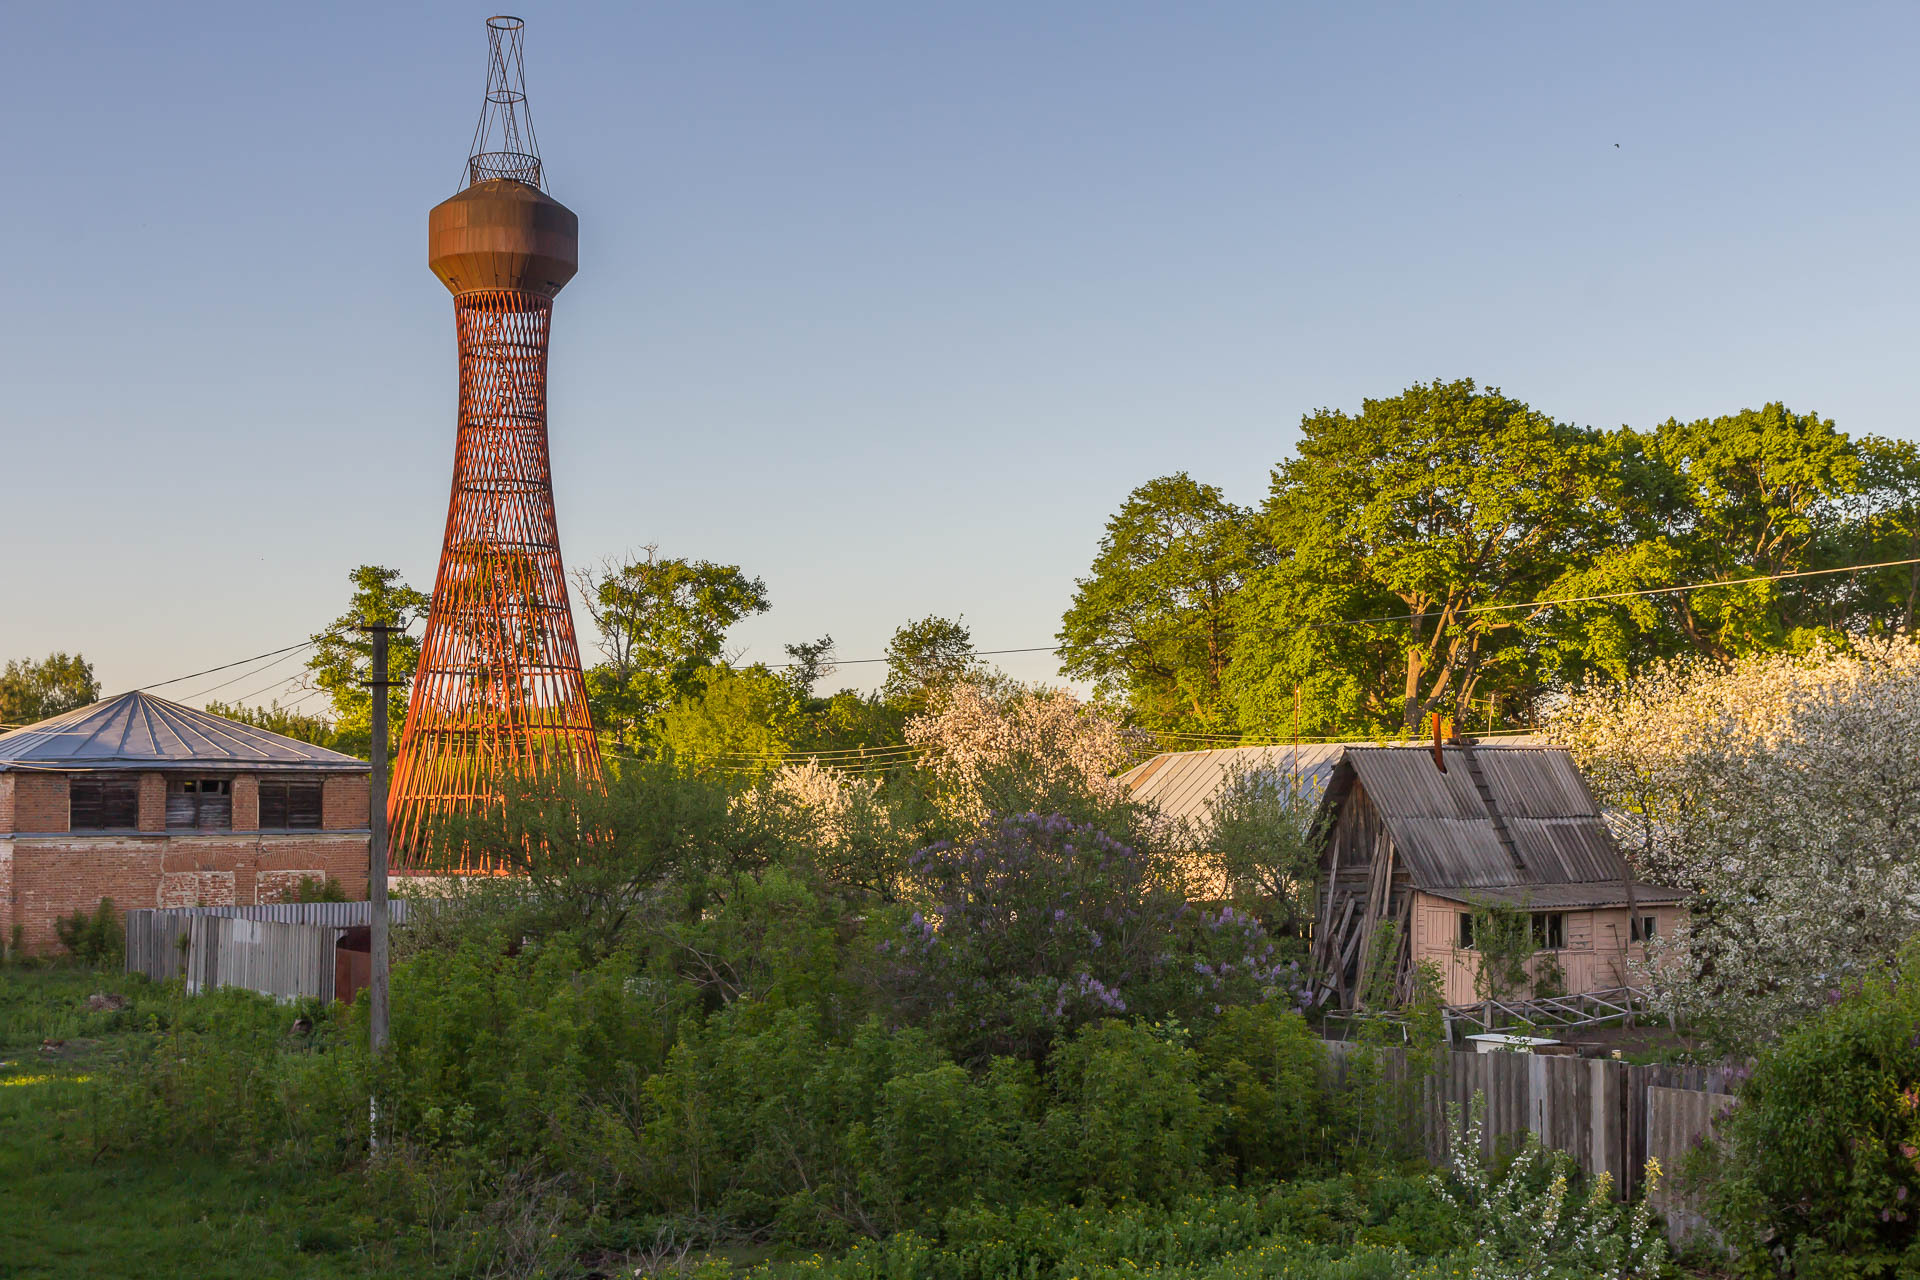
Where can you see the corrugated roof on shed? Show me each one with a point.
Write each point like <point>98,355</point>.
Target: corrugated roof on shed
<point>139,731</point>
<point>1444,832</point>
<point>1180,783</point>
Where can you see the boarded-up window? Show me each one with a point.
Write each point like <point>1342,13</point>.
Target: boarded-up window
<point>202,804</point>
<point>289,804</point>
<point>104,804</point>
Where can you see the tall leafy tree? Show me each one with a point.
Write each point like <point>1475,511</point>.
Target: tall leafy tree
<point>33,691</point>
<point>1740,498</point>
<point>742,719</point>
<point>1153,622</point>
<point>342,660</point>
<point>1397,528</point>
<point>663,621</point>
<point>925,656</point>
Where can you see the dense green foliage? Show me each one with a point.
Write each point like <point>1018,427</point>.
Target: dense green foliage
<point>1154,620</point>
<point>32,691</point>
<point>93,937</point>
<point>1392,569</point>
<point>1819,1164</point>
<point>663,622</point>
<point>342,660</point>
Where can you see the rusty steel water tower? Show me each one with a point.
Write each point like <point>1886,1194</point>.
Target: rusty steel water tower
<point>499,691</point>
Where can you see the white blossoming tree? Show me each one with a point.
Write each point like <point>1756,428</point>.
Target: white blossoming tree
<point>1018,750</point>
<point>854,827</point>
<point>1782,790</point>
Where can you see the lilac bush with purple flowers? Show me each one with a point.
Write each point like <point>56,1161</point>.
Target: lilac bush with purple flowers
<point>1039,926</point>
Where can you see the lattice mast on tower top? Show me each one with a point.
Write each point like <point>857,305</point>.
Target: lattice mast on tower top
<point>499,692</point>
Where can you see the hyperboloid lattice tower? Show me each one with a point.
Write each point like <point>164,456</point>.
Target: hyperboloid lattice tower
<point>499,691</point>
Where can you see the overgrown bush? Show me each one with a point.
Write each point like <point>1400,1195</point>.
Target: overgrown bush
<point>1267,1071</point>
<point>1041,926</point>
<point>94,937</point>
<point>317,889</point>
<point>1818,1166</point>
<point>1127,1115</point>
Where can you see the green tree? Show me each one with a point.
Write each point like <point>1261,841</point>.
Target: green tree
<point>285,721</point>
<point>662,621</point>
<point>1739,497</point>
<point>1153,621</point>
<point>342,660</point>
<point>736,718</point>
<point>925,655</point>
<point>1398,527</point>
<point>34,691</point>
<point>812,662</point>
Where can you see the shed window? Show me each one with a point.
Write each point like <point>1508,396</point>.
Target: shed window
<point>1549,930</point>
<point>104,804</point>
<point>1466,930</point>
<point>1644,928</point>
<point>203,804</point>
<point>289,804</point>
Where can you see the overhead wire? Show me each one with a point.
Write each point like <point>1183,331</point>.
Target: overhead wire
<point>225,666</point>
<point>256,671</point>
<point>1546,603</point>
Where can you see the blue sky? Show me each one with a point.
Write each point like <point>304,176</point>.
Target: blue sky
<point>890,304</point>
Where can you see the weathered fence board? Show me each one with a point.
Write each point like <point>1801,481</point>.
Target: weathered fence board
<point>1677,1121</point>
<point>1600,1112</point>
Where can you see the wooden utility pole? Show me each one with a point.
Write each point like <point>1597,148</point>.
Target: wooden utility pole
<point>377,847</point>
<point>377,862</point>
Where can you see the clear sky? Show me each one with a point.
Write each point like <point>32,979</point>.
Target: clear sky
<point>890,304</point>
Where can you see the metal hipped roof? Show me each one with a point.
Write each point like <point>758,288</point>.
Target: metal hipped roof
<point>139,731</point>
<point>1443,831</point>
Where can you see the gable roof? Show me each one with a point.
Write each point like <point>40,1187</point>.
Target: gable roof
<point>139,731</point>
<point>1449,840</point>
<point>1180,783</point>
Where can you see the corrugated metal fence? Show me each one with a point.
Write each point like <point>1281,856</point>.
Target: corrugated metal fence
<point>285,950</point>
<point>1609,1116</point>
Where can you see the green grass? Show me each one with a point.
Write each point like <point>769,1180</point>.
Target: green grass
<point>66,1212</point>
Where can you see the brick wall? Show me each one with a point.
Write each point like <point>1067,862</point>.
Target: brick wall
<point>6,803</point>
<point>52,877</point>
<point>153,802</point>
<point>246,803</point>
<point>39,802</point>
<point>344,802</point>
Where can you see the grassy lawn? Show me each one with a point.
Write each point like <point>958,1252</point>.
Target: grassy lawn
<point>66,1213</point>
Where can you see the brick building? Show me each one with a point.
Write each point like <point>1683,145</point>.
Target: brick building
<point>154,804</point>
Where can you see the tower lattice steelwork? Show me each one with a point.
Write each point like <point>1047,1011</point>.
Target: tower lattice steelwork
<point>499,690</point>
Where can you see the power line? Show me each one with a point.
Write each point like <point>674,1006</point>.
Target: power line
<point>256,671</point>
<point>857,662</point>
<point>1621,595</point>
<point>225,666</point>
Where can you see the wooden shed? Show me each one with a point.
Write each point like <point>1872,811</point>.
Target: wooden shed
<point>1422,841</point>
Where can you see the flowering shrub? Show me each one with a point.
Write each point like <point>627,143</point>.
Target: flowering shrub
<point>1527,1224</point>
<point>1778,788</point>
<point>1041,925</point>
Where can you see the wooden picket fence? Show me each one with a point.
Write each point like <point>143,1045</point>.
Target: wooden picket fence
<point>1609,1116</point>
